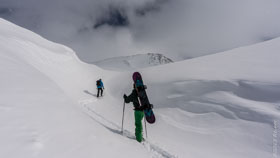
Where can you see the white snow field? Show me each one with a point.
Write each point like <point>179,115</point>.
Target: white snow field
<point>224,105</point>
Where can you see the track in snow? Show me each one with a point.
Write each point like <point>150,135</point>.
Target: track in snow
<point>111,126</point>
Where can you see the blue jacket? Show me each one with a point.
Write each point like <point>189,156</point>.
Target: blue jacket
<point>101,84</point>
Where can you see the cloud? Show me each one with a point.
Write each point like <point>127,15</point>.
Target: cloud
<point>180,29</point>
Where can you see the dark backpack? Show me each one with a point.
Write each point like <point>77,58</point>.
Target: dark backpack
<point>98,83</point>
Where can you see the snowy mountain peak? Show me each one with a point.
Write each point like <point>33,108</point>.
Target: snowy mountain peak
<point>133,62</point>
<point>158,59</point>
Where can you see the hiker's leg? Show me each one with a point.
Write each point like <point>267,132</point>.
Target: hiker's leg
<point>138,124</point>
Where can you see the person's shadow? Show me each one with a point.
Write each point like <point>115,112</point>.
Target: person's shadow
<point>87,92</point>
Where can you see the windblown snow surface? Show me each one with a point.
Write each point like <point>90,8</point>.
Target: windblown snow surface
<point>216,106</point>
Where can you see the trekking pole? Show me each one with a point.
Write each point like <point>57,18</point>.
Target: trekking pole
<point>123,115</point>
<point>146,128</point>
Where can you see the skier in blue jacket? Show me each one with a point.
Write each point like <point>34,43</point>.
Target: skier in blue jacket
<point>100,87</point>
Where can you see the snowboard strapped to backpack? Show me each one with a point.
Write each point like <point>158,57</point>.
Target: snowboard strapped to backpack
<point>143,98</point>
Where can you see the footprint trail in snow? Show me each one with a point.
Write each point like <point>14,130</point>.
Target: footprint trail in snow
<point>157,152</point>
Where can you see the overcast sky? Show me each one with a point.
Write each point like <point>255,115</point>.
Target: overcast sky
<point>180,29</point>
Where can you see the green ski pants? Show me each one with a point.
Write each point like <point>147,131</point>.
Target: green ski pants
<point>138,125</point>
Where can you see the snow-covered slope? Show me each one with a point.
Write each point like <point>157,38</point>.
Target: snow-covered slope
<point>222,105</point>
<point>133,62</point>
<point>225,104</point>
<point>41,83</point>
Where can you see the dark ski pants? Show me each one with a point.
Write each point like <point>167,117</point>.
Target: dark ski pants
<point>98,91</point>
<point>139,115</point>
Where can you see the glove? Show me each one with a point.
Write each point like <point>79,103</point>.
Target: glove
<point>124,96</point>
